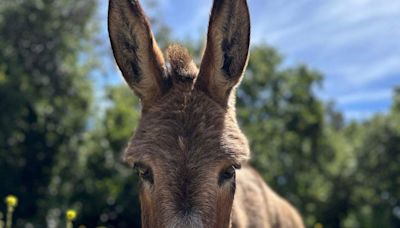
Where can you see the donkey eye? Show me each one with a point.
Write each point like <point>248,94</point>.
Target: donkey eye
<point>227,174</point>
<point>144,173</point>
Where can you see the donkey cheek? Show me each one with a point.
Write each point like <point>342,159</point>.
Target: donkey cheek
<point>147,212</point>
<point>224,205</point>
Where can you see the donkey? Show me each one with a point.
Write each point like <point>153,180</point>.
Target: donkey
<point>189,152</point>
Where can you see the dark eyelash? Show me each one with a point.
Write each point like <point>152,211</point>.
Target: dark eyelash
<point>144,172</point>
<point>227,174</point>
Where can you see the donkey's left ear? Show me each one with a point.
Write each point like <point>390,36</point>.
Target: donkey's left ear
<point>227,49</point>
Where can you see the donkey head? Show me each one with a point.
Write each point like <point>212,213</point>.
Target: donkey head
<point>188,143</point>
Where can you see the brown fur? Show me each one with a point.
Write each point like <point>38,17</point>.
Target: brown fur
<point>256,205</point>
<point>188,139</point>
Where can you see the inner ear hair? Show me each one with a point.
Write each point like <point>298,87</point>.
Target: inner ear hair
<point>227,48</point>
<point>136,51</point>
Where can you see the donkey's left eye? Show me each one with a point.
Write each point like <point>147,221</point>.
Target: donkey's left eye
<point>227,174</point>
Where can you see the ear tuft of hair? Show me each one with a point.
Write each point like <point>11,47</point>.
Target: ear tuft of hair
<point>182,66</point>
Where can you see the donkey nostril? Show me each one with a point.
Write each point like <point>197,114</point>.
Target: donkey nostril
<point>186,221</point>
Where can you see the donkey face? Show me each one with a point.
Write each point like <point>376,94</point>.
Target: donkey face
<point>188,143</point>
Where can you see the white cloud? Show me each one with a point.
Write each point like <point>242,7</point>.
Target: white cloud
<point>354,43</point>
<point>364,97</point>
<point>364,73</point>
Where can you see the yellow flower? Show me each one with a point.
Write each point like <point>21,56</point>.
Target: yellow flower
<point>11,201</point>
<point>71,215</point>
<point>318,225</point>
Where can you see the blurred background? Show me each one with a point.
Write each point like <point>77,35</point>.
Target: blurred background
<point>320,104</point>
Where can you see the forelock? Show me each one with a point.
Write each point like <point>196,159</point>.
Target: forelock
<point>182,68</point>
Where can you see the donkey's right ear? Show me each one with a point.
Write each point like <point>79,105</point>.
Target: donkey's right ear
<point>136,51</point>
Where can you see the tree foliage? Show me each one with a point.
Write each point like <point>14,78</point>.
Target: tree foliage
<point>337,175</point>
<point>44,97</point>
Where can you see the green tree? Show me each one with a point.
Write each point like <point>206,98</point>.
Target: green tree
<point>337,174</point>
<point>376,180</point>
<point>107,192</point>
<point>293,144</point>
<point>44,96</point>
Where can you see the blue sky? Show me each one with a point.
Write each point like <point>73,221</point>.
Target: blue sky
<point>354,43</point>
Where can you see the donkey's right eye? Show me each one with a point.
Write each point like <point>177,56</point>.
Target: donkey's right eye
<point>144,173</point>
